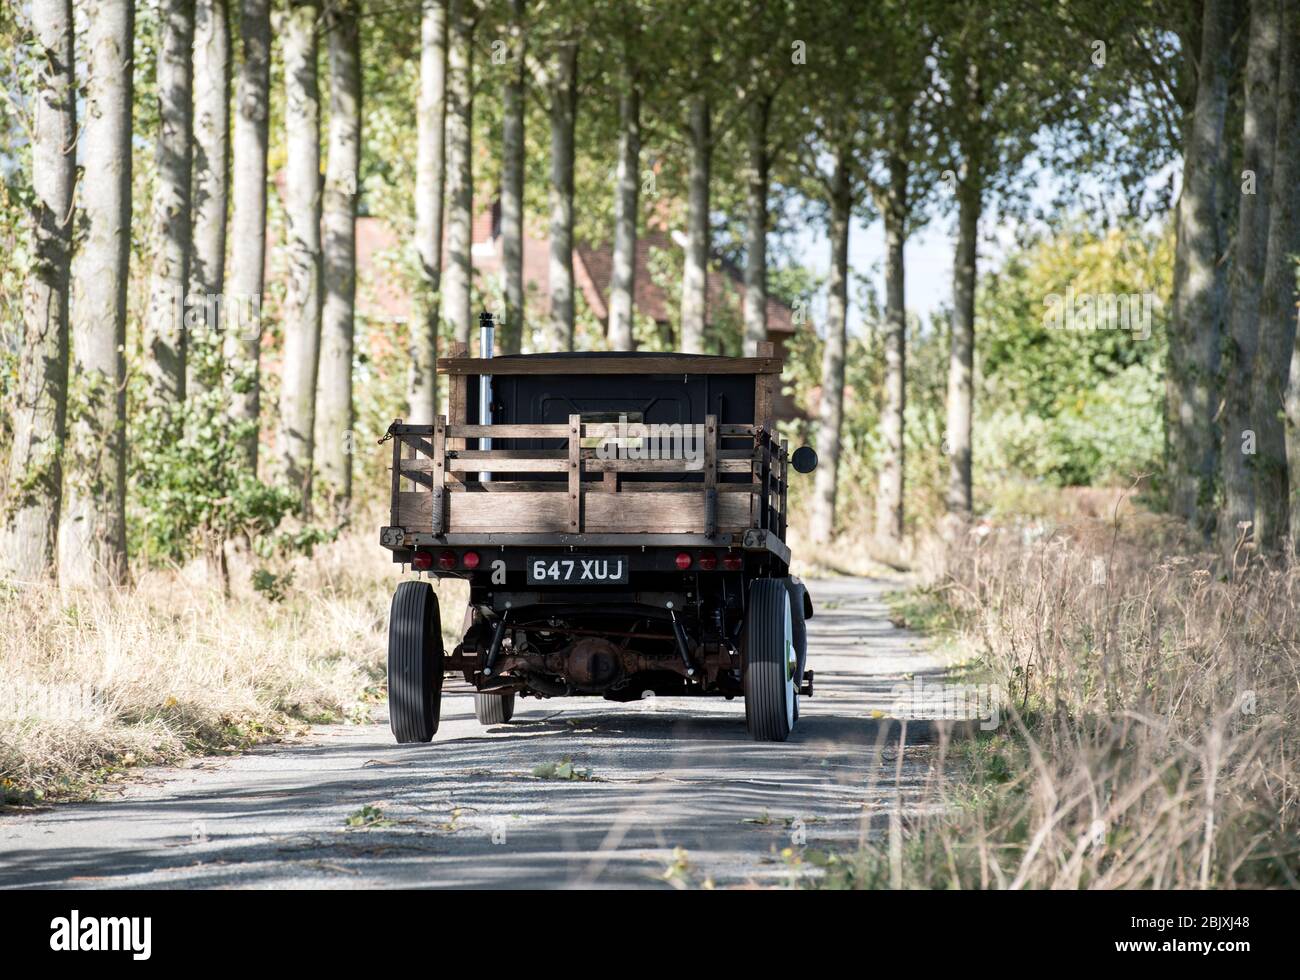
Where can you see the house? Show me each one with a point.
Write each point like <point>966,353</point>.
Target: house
<point>386,298</point>
<point>382,296</point>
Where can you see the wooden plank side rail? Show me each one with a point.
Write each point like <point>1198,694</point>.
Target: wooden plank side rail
<point>602,513</point>
<point>436,489</point>
<point>590,430</point>
<point>472,461</point>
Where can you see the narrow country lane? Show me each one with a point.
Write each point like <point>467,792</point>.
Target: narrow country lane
<point>664,774</point>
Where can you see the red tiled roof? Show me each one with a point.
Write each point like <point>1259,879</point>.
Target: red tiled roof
<point>382,294</point>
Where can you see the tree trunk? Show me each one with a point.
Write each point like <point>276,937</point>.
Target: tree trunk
<point>961,355</point>
<point>1199,281</point>
<point>1251,249</point>
<point>1279,441</point>
<point>756,225</point>
<point>457,276</point>
<point>622,283</point>
<point>92,534</point>
<point>302,208</point>
<point>211,160</point>
<point>339,225</point>
<point>165,334</point>
<point>39,403</point>
<point>564,113</point>
<point>422,396</point>
<point>889,498</point>
<point>243,312</point>
<point>695,270</point>
<point>511,332</point>
<point>831,409</point>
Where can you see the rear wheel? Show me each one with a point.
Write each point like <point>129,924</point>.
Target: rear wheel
<point>799,636</point>
<point>769,662</point>
<point>414,663</point>
<point>494,709</point>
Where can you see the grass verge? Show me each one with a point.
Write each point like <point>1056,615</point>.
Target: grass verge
<point>1148,731</point>
<point>93,683</point>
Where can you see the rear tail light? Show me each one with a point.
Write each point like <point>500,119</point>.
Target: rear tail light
<point>421,561</point>
<point>708,562</point>
<point>447,560</point>
<point>683,560</point>
<point>733,563</point>
<point>469,559</point>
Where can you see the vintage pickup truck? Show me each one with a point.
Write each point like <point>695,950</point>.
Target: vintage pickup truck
<point>620,519</point>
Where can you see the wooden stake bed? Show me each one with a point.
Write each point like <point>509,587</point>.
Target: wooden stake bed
<point>620,522</point>
<point>601,450</point>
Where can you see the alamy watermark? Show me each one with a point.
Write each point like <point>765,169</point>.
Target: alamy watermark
<point>196,310</point>
<point>654,440</point>
<point>20,698</point>
<point>1100,311</point>
<point>937,701</point>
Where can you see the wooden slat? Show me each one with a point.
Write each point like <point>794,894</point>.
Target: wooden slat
<point>417,471</point>
<point>764,387</point>
<point>397,483</point>
<point>658,487</point>
<point>710,475</point>
<point>661,466</point>
<point>785,487</point>
<point>505,457</point>
<point>510,431</point>
<point>575,474</point>
<point>507,486</point>
<point>639,513</point>
<point>656,364</point>
<point>590,430</point>
<point>549,539</point>
<point>457,394</point>
<point>556,430</point>
<point>416,442</point>
<point>472,461</point>
<point>514,512</point>
<point>414,511</point>
<point>437,508</point>
<point>590,486</point>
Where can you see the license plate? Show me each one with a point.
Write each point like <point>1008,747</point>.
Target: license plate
<point>578,570</point>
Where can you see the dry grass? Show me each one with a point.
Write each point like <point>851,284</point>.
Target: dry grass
<point>93,682</point>
<point>1149,737</point>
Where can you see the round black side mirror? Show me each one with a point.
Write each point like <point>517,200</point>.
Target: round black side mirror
<point>804,459</point>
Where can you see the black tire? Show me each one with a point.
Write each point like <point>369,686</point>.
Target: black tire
<point>494,709</point>
<point>414,663</point>
<point>799,634</point>
<point>770,691</point>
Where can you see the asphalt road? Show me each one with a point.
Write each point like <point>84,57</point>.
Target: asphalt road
<point>674,792</point>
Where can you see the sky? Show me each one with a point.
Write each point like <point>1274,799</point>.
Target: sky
<point>928,253</point>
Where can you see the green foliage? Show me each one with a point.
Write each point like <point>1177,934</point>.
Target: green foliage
<point>15,240</point>
<point>1072,406</point>
<point>271,586</point>
<point>191,491</point>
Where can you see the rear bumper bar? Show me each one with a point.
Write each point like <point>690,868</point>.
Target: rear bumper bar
<point>751,540</point>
